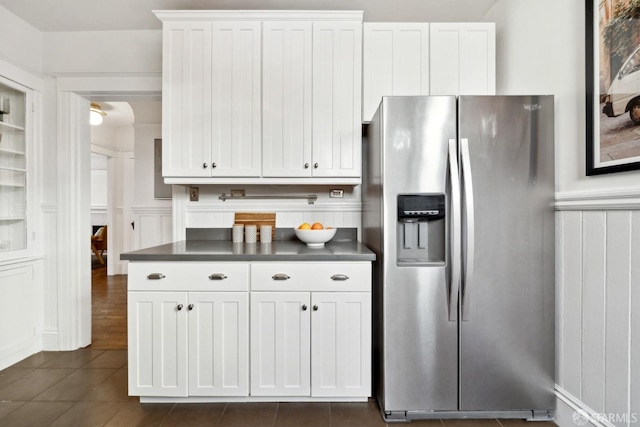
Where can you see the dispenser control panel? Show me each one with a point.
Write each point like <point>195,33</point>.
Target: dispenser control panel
<point>416,207</point>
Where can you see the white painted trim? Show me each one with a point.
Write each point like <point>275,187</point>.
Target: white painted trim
<point>259,15</point>
<point>628,199</point>
<point>126,86</point>
<point>19,75</point>
<point>580,411</point>
<point>50,340</point>
<point>180,197</point>
<point>263,181</point>
<point>74,277</point>
<point>99,149</point>
<point>274,205</point>
<point>150,210</point>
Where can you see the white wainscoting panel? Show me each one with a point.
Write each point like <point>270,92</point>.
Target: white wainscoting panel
<point>153,226</point>
<point>598,318</point>
<point>18,315</point>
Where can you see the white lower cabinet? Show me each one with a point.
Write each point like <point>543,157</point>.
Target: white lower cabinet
<point>188,343</point>
<point>280,344</point>
<point>311,329</point>
<point>252,331</point>
<point>341,344</point>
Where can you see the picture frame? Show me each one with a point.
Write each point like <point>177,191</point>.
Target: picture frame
<point>612,56</point>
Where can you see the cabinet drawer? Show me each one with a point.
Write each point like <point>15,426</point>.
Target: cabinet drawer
<point>191,276</point>
<point>302,276</point>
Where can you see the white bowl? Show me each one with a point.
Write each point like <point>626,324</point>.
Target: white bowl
<point>315,238</point>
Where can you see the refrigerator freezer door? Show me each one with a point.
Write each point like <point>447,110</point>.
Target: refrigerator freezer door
<point>418,342</point>
<point>507,332</point>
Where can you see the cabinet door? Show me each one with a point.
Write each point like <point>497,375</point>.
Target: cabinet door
<point>157,336</point>
<point>337,98</point>
<point>286,105</point>
<point>236,123</point>
<point>396,62</point>
<point>463,59</point>
<point>280,344</point>
<point>341,344</point>
<point>186,99</point>
<point>218,343</point>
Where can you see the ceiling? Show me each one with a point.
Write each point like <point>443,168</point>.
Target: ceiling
<point>114,15</point>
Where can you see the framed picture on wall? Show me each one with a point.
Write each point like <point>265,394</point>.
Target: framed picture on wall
<point>612,86</point>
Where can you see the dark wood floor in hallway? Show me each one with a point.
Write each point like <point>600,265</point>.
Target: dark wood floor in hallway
<point>108,310</point>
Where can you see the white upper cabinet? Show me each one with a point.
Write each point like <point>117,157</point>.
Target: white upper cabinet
<point>286,104</point>
<point>262,97</point>
<point>186,106</point>
<point>427,59</point>
<point>337,94</point>
<point>396,62</point>
<point>463,59</point>
<point>236,126</point>
<point>211,99</point>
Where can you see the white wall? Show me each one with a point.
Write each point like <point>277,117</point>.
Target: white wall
<point>20,43</point>
<point>99,189</point>
<point>153,217</point>
<point>541,49</point>
<point>103,52</point>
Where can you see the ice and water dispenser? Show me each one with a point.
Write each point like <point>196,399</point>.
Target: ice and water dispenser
<point>421,229</point>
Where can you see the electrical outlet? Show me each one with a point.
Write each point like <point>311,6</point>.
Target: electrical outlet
<point>336,193</point>
<point>194,194</point>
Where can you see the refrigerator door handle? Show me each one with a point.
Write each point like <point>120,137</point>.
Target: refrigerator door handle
<point>470,228</point>
<point>455,230</point>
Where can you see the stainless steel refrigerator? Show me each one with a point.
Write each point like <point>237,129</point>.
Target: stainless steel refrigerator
<point>458,204</point>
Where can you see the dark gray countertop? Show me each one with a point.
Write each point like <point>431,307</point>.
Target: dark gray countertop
<point>340,248</point>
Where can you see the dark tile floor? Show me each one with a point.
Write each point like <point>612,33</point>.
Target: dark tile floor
<point>88,387</point>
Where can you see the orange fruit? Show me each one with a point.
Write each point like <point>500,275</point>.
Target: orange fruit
<point>317,226</point>
<point>304,226</point>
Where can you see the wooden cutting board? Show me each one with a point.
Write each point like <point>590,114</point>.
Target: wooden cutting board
<point>257,219</point>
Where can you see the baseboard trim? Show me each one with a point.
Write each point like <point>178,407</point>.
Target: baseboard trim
<point>572,412</point>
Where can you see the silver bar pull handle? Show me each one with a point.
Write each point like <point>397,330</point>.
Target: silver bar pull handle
<point>340,277</point>
<point>155,276</point>
<point>217,276</point>
<point>455,225</point>
<point>469,251</point>
<point>280,276</point>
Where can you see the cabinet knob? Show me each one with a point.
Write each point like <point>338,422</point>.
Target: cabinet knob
<point>190,307</point>
<point>304,307</point>
<point>204,166</point>
<point>280,276</point>
<point>213,165</point>
<point>155,276</point>
<point>217,276</point>
<point>339,277</point>
<point>179,307</point>
<point>306,165</point>
<point>315,307</point>
<point>315,166</point>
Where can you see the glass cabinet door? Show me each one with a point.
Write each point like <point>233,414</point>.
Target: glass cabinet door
<point>13,170</point>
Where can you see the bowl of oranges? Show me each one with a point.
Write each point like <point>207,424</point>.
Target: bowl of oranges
<point>314,235</point>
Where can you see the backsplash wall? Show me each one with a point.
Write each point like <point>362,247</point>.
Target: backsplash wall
<point>212,212</point>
